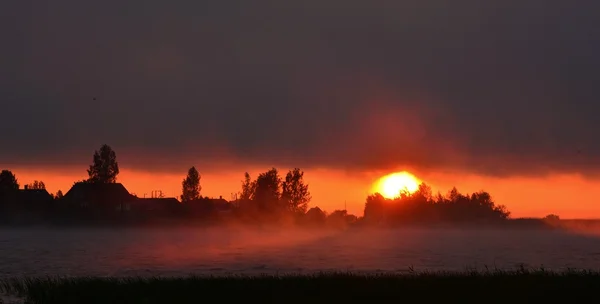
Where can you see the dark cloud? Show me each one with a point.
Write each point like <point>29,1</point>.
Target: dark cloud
<point>494,87</point>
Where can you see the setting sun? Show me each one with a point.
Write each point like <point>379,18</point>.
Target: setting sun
<point>391,185</point>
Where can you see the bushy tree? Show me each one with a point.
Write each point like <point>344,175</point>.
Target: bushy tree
<point>267,190</point>
<point>295,194</point>
<point>59,194</point>
<point>8,182</point>
<point>502,212</point>
<point>191,186</point>
<point>105,167</point>
<point>375,207</point>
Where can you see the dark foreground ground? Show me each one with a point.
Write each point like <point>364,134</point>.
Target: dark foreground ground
<point>482,287</point>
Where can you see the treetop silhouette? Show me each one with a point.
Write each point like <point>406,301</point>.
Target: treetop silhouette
<point>191,186</point>
<point>295,192</point>
<point>8,182</point>
<point>105,167</point>
<point>37,185</point>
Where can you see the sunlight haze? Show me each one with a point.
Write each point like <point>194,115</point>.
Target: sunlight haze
<point>333,189</point>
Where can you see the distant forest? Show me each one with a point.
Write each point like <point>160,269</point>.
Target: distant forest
<point>268,199</point>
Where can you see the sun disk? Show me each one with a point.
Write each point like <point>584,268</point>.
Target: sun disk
<point>390,186</point>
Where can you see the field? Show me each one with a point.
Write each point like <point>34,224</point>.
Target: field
<point>487,286</point>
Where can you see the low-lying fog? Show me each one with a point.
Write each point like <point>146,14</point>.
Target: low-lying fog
<point>218,251</point>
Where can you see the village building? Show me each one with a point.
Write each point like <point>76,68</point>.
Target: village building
<point>25,205</point>
<point>98,197</point>
<point>34,197</point>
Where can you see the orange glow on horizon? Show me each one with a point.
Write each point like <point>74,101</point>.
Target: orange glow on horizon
<point>391,185</point>
<point>338,189</point>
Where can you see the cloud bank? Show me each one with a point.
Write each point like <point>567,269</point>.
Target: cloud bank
<point>495,88</point>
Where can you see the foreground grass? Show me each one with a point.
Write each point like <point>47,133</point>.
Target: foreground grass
<point>520,286</point>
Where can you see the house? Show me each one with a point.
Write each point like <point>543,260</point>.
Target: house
<point>25,205</point>
<point>27,197</point>
<point>99,196</point>
<point>34,196</point>
<point>31,200</point>
<point>315,216</point>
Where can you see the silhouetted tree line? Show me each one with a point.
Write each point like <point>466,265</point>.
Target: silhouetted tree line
<point>423,207</point>
<point>269,198</point>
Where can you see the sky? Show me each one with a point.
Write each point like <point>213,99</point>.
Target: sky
<point>494,95</point>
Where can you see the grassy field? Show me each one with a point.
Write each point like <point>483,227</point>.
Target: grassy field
<point>520,286</point>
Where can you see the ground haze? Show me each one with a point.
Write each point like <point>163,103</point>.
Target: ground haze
<point>222,251</point>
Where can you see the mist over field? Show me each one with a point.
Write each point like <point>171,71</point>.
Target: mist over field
<point>248,251</point>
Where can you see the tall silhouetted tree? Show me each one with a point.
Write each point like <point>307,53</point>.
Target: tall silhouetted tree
<point>247,187</point>
<point>191,186</point>
<point>267,190</point>
<point>8,182</point>
<point>59,195</point>
<point>105,167</point>
<point>37,185</point>
<point>295,194</point>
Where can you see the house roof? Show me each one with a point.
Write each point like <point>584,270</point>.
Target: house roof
<point>98,191</point>
<point>34,195</point>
